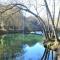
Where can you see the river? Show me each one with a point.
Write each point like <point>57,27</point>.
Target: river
<point>34,52</point>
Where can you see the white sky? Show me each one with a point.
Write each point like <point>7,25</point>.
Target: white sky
<point>41,10</point>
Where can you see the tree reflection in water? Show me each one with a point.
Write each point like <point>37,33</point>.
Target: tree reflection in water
<point>15,50</point>
<point>9,49</point>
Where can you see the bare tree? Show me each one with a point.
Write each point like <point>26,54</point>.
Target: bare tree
<point>52,37</point>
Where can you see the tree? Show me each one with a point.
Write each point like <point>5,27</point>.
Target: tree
<point>51,36</point>
<point>12,19</point>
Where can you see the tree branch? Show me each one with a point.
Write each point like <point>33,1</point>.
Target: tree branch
<point>53,26</point>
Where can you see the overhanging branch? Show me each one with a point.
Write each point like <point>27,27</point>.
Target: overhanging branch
<point>23,7</point>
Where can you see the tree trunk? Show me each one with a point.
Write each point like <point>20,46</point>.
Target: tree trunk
<point>58,54</point>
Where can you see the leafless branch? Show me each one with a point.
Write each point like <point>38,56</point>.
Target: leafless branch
<point>58,20</point>
<point>53,26</point>
<point>54,11</point>
<point>25,9</point>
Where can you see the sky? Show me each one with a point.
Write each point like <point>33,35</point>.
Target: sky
<point>32,3</point>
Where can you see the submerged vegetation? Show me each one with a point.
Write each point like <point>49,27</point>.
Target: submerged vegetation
<point>13,43</point>
<point>22,38</point>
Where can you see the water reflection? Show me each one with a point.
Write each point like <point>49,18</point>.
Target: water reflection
<point>9,46</point>
<point>33,53</point>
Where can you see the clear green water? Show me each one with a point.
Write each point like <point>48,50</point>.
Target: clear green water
<point>12,43</point>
